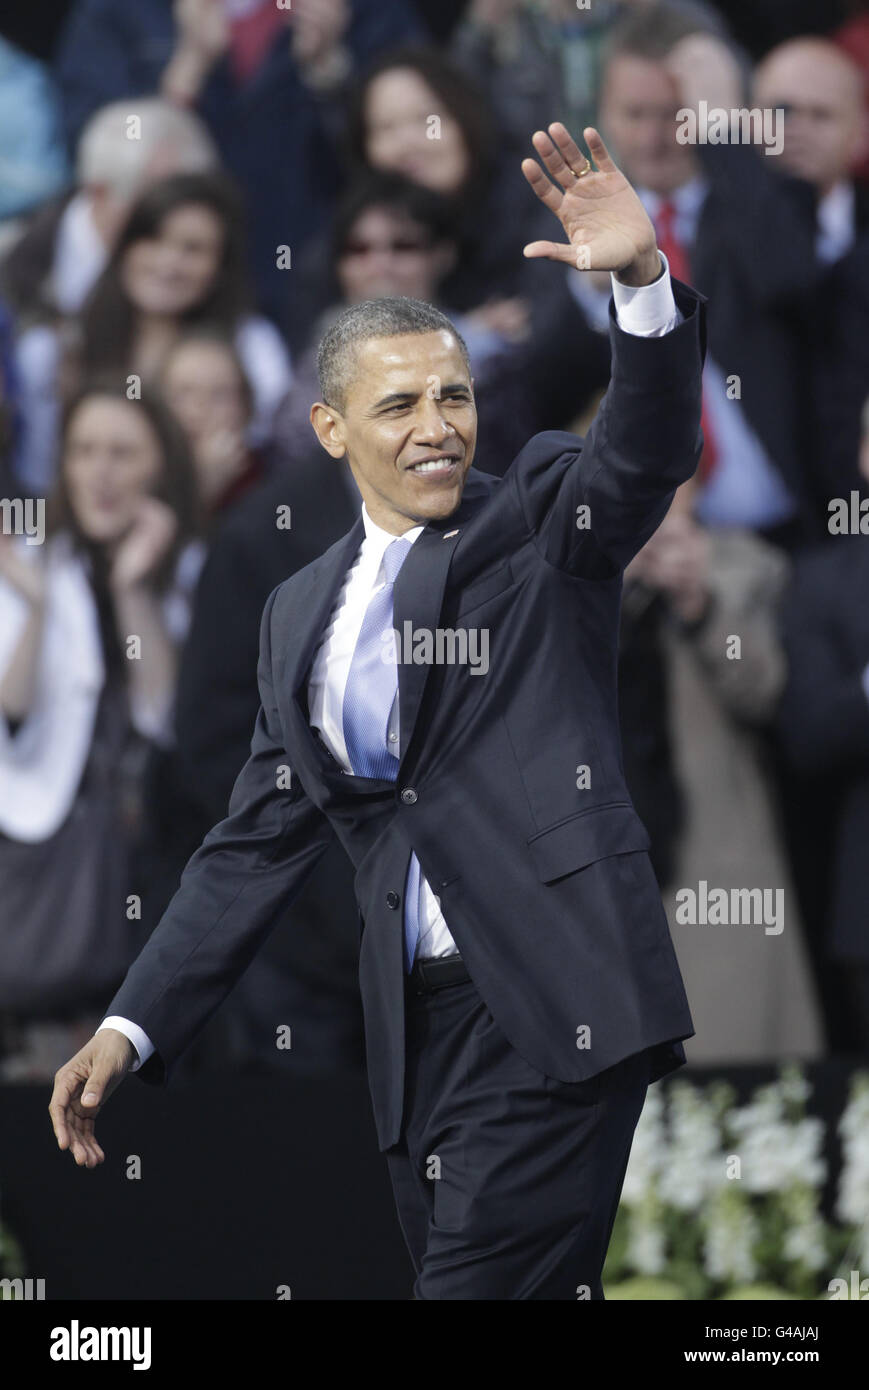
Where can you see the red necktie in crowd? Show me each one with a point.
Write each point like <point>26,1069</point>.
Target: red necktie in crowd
<point>680,269</point>
<point>251,34</point>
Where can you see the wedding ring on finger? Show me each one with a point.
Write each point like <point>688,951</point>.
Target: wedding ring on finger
<point>579,174</point>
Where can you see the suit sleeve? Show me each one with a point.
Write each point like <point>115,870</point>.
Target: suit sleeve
<point>236,887</point>
<point>592,504</point>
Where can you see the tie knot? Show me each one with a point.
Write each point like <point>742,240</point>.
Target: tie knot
<point>394,557</point>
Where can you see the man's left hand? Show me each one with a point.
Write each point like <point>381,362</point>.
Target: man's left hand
<point>606,224</point>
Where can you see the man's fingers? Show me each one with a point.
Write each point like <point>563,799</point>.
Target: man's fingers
<point>73,1118</point>
<point>543,187</point>
<point>80,1090</point>
<point>553,157</point>
<point>86,1150</point>
<point>93,1090</point>
<point>567,147</point>
<point>553,251</point>
<point>64,1085</point>
<point>599,152</point>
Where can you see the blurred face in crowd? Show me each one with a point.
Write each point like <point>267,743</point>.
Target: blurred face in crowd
<point>398,107</point>
<point>821,92</point>
<point>111,459</point>
<point>387,253</point>
<point>638,109</point>
<point>391,422</point>
<point>169,274</point>
<point>204,389</point>
<point>111,203</point>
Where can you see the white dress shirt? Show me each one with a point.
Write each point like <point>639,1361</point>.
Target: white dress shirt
<point>42,761</point>
<point>647,311</point>
<point>836,222</point>
<point>80,255</point>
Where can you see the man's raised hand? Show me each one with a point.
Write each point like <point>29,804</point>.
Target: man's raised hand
<point>82,1087</point>
<point>606,224</point>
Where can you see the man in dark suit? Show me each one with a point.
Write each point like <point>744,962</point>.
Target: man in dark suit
<point>731,223</point>
<point>824,720</point>
<point>518,979</point>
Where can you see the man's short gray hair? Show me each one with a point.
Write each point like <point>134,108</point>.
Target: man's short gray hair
<point>120,153</point>
<point>374,318</point>
<point>653,31</point>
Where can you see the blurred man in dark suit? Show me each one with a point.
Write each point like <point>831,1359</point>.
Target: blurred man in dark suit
<point>825,726</point>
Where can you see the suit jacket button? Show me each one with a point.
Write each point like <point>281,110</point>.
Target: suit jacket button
<point>408,796</point>
<point>392,899</point>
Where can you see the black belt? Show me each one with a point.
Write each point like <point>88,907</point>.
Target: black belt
<point>437,973</point>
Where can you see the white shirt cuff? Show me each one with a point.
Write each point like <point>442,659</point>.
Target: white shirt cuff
<point>140,1040</point>
<point>647,311</point>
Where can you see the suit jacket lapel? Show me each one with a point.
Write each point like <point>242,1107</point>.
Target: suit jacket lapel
<point>418,597</point>
<point>314,604</point>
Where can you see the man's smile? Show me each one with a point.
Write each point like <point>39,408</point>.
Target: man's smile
<point>435,467</point>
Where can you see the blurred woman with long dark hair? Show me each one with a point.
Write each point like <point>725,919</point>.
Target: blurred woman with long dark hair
<point>90,624</point>
<point>178,263</point>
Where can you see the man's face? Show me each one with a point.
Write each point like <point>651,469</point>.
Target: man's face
<point>639,102</point>
<point>409,400</point>
<point>821,94</point>
<point>387,253</point>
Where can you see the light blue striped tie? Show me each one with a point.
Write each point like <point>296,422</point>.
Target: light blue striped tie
<point>369,695</point>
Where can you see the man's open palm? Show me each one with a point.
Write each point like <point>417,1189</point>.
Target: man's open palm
<point>606,224</point>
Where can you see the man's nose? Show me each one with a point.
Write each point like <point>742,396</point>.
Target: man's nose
<point>431,424</point>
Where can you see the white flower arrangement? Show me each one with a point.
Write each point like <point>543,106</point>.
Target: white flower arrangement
<point>852,1200</point>
<point>718,1196</point>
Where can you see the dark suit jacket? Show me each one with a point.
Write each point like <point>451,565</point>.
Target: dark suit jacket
<point>839,376</point>
<point>754,258</point>
<point>310,961</point>
<point>216,701</point>
<point>824,719</point>
<point>548,890</point>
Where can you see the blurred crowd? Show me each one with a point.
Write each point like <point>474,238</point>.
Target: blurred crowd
<point>190,191</point>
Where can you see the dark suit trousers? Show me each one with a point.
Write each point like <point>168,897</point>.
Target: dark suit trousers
<point>506,1181</point>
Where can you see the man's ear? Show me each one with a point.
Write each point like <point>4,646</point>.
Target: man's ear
<point>328,425</point>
